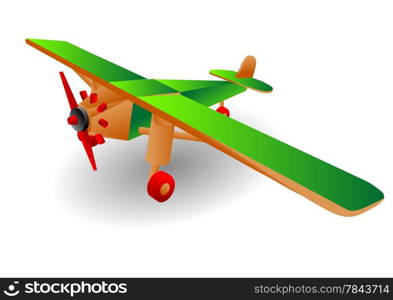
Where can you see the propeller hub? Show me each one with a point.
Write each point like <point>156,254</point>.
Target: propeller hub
<point>82,116</point>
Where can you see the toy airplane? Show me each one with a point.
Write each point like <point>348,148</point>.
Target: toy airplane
<point>124,105</point>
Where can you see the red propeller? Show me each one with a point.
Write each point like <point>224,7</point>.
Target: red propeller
<point>78,119</point>
<point>67,89</point>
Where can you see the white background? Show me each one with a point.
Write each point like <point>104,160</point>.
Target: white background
<point>331,66</point>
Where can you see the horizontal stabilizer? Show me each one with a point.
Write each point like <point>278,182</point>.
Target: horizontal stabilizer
<point>244,77</point>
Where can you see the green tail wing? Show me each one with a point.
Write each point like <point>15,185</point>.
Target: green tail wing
<point>251,83</point>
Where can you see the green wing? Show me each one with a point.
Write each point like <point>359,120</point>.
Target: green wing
<point>97,66</point>
<point>206,92</point>
<point>337,186</point>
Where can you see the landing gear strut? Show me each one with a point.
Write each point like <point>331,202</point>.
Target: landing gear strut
<point>161,185</point>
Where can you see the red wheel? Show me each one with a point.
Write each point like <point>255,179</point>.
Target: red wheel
<point>223,110</point>
<point>161,186</point>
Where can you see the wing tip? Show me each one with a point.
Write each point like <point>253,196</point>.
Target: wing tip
<point>352,213</point>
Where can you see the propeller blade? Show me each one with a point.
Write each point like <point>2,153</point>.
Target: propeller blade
<point>67,89</point>
<point>84,138</point>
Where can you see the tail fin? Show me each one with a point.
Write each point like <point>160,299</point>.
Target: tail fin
<point>247,68</point>
<point>244,77</point>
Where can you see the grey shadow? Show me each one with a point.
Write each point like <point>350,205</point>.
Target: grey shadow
<point>206,181</point>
